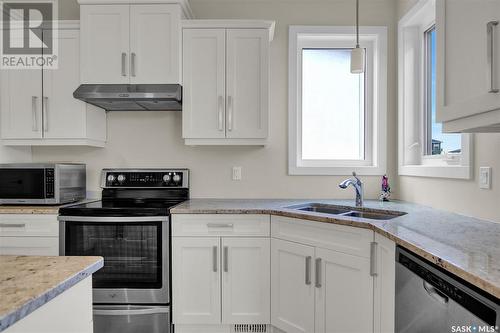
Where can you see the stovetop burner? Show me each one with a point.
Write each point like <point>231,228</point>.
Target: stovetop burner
<point>135,192</point>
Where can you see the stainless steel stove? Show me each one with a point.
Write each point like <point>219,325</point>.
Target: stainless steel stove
<point>130,228</point>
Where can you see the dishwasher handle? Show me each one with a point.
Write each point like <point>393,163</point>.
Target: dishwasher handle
<point>435,293</point>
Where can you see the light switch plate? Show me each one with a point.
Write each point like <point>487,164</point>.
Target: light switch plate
<point>485,178</point>
<point>237,173</point>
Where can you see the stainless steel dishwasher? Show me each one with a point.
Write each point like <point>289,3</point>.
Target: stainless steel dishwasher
<point>430,300</point>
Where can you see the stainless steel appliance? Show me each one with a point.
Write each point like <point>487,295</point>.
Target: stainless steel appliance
<point>42,183</point>
<point>130,228</point>
<point>431,300</point>
<point>132,97</point>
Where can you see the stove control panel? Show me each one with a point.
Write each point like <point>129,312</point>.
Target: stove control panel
<point>144,178</point>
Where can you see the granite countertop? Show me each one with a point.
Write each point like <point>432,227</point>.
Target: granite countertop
<point>38,209</point>
<point>28,282</point>
<point>465,246</point>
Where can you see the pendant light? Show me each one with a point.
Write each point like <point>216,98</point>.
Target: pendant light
<point>357,54</point>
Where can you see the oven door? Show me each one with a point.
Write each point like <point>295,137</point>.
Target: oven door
<point>135,251</point>
<point>131,319</point>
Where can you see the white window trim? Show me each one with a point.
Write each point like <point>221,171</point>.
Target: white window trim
<point>410,105</point>
<point>375,39</point>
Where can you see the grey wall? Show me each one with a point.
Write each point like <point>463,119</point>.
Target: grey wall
<point>154,139</point>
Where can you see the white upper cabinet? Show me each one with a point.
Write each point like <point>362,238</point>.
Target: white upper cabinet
<point>204,69</point>
<point>468,60</point>
<point>226,82</point>
<point>247,83</point>
<point>155,44</point>
<point>130,43</point>
<point>38,108</point>
<point>105,43</point>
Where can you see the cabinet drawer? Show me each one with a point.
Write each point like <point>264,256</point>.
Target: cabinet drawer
<point>220,225</point>
<point>34,246</point>
<point>25,225</point>
<point>350,240</point>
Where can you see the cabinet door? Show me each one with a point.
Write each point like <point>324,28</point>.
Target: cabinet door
<point>104,43</point>
<point>154,43</point>
<point>292,289</point>
<point>464,71</point>
<point>204,64</point>
<point>196,280</point>
<point>384,285</point>
<point>29,246</point>
<point>344,293</point>
<point>246,281</point>
<point>63,115</point>
<point>247,83</point>
<point>21,102</point>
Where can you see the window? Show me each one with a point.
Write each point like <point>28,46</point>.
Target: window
<point>437,142</point>
<point>336,118</point>
<point>424,150</point>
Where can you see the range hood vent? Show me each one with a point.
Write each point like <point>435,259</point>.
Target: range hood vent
<point>132,97</point>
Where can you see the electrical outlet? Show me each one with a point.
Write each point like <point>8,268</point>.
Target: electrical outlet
<point>237,173</point>
<point>485,178</point>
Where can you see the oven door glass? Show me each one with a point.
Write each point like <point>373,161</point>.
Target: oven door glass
<point>22,183</point>
<point>132,251</point>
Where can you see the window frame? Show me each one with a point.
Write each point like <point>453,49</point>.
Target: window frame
<point>413,123</point>
<point>374,40</point>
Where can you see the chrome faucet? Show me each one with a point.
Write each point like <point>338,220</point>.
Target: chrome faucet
<point>358,186</point>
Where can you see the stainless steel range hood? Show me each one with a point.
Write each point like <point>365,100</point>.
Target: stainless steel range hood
<point>132,97</point>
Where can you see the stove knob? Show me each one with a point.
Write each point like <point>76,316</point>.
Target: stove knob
<point>177,178</point>
<point>111,178</point>
<point>166,178</point>
<point>121,178</point>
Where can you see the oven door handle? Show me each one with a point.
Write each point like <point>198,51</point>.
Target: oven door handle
<point>112,219</point>
<point>129,312</point>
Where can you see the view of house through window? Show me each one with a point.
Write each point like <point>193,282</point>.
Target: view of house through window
<point>437,141</point>
<point>333,106</point>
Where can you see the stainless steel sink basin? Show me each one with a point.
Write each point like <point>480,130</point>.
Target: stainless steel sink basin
<point>364,213</point>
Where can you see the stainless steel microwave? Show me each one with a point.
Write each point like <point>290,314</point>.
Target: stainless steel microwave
<point>42,183</point>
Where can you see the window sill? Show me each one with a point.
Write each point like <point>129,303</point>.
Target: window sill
<point>336,171</point>
<point>433,171</point>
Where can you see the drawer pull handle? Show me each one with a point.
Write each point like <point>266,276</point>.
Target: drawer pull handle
<point>220,225</point>
<point>226,263</point>
<point>12,225</point>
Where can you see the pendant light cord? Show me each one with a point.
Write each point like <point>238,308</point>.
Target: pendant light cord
<point>357,23</point>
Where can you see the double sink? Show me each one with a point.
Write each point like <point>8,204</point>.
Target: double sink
<point>365,213</point>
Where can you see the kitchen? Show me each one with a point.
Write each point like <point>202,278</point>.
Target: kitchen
<point>263,171</point>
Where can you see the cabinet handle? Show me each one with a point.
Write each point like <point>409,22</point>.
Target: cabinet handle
<point>490,28</point>
<point>220,118</point>
<point>373,258</point>
<point>132,64</point>
<point>318,273</point>
<point>229,113</point>
<point>226,255</point>
<point>220,225</point>
<point>45,114</point>
<point>12,225</point>
<point>308,270</point>
<point>214,259</point>
<point>124,64</point>
<point>34,113</point>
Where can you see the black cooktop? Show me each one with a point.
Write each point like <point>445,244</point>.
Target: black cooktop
<point>120,208</point>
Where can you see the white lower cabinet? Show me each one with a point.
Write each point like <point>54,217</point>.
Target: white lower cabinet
<point>196,287</point>
<point>308,277</point>
<point>221,270</point>
<point>29,234</point>
<point>292,289</point>
<point>344,293</point>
